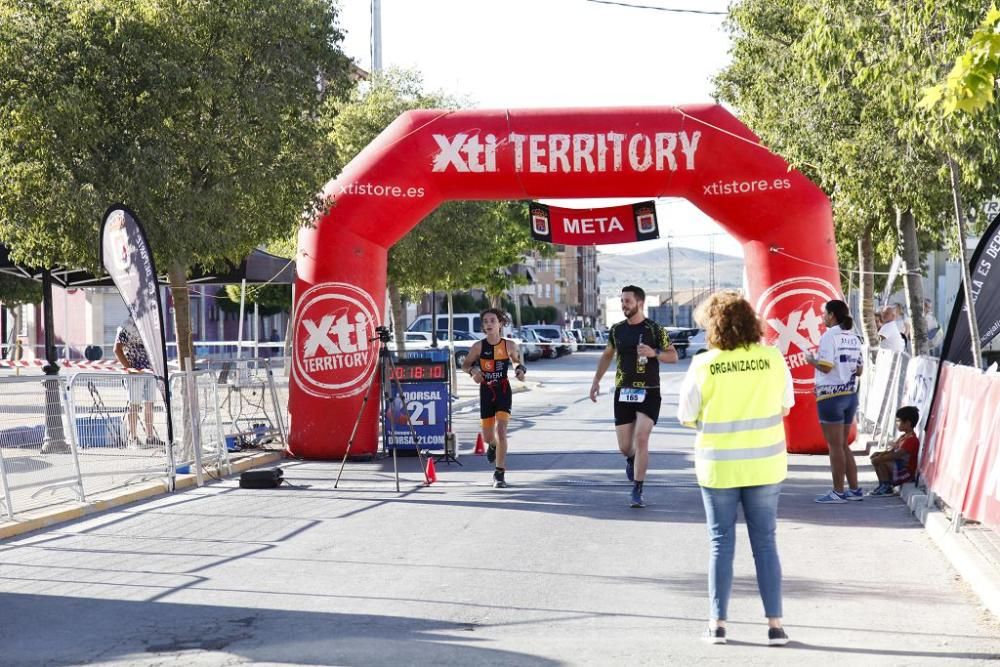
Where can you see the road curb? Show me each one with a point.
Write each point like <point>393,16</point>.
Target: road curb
<point>124,497</point>
<point>973,567</point>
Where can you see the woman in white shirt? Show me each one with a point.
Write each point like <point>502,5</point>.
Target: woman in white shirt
<point>838,363</point>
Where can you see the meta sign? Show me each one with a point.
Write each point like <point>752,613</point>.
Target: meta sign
<point>594,226</point>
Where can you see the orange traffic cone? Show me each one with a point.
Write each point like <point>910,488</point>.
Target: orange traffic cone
<point>480,446</point>
<point>430,475</point>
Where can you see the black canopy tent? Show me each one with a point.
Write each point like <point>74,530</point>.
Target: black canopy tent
<point>257,268</point>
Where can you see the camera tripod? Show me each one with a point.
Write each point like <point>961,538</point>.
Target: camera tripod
<point>385,371</point>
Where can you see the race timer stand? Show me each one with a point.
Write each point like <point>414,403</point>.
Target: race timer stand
<point>450,442</point>
<point>385,371</point>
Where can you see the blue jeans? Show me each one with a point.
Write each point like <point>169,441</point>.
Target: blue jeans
<point>760,508</point>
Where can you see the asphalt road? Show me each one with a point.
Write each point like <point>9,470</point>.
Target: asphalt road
<point>556,569</point>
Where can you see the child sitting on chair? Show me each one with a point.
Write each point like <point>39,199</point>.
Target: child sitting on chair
<point>898,465</point>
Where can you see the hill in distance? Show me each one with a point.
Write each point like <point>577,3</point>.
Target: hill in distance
<point>649,270</point>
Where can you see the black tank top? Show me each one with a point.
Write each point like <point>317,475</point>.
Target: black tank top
<point>494,360</point>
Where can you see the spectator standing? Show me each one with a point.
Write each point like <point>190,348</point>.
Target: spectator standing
<point>889,336</point>
<point>131,354</point>
<point>838,363</point>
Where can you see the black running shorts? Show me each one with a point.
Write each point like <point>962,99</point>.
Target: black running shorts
<point>625,412</point>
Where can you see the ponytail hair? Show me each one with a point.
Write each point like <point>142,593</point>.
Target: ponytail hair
<point>841,313</point>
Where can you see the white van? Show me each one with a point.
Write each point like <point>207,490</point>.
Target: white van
<point>468,322</point>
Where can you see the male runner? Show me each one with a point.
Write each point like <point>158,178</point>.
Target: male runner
<point>487,363</point>
<point>640,345</point>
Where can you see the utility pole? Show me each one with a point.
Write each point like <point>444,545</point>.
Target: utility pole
<point>670,282</point>
<point>711,263</point>
<point>376,35</point>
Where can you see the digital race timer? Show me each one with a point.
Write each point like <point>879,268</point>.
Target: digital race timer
<point>420,370</point>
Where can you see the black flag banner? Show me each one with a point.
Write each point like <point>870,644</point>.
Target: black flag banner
<point>127,258</point>
<point>984,272</point>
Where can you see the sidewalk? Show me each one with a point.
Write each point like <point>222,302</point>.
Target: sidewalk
<point>25,522</point>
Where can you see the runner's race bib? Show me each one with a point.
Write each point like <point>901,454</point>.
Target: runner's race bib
<point>632,396</point>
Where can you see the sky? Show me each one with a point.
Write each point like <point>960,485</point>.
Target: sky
<point>559,53</point>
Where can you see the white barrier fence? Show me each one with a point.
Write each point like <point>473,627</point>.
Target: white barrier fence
<point>67,438</point>
<point>897,379</point>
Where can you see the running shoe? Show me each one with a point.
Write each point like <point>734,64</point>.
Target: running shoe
<point>637,498</point>
<point>717,636</point>
<point>881,491</point>
<point>491,453</point>
<point>854,494</point>
<point>776,637</point>
<point>831,497</point>
<point>498,480</point>
<point>630,468</point>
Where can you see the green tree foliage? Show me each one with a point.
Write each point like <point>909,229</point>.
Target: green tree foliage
<point>203,117</point>
<point>270,299</point>
<point>16,291</point>
<point>970,84</point>
<point>835,87</point>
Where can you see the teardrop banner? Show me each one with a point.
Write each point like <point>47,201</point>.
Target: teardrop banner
<point>594,226</point>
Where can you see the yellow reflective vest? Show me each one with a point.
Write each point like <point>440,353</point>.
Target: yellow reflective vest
<point>741,433</point>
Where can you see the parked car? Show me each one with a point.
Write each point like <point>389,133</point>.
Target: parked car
<point>554,335</point>
<point>463,342</point>
<point>414,340</point>
<point>679,337</point>
<point>468,322</point>
<point>527,340</point>
<point>697,343</point>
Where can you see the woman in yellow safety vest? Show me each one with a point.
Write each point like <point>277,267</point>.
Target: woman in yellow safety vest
<point>736,395</point>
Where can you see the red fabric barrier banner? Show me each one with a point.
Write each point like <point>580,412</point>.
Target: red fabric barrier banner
<point>594,226</point>
<point>944,463</point>
<point>982,498</point>
<point>961,457</point>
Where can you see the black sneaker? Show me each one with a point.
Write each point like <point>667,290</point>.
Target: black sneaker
<point>630,468</point>
<point>717,636</point>
<point>776,637</point>
<point>491,453</point>
<point>498,480</point>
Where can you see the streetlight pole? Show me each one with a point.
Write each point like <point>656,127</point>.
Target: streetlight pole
<point>670,280</point>
<point>376,35</point>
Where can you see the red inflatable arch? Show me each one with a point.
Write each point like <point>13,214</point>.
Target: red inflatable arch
<point>700,153</point>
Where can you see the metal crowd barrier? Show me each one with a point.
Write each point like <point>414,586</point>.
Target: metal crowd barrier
<point>252,408</point>
<point>38,456</point>
<point>881,394</point>
<point>65,438</point>
<point>195,409</point>
<point>120,428</point>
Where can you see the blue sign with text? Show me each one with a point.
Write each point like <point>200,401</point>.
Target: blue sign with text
<point>424,407</point>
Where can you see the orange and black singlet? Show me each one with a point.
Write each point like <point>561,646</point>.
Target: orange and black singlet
<point>494,393</point>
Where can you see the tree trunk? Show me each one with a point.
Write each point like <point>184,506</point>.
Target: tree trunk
<point>866,263</point>
<point>970,302</point>
<point>451,343</point>
<point>182,313</point>
<point>398,316</point>
<point>15,350</point>
<point>909,250</point>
